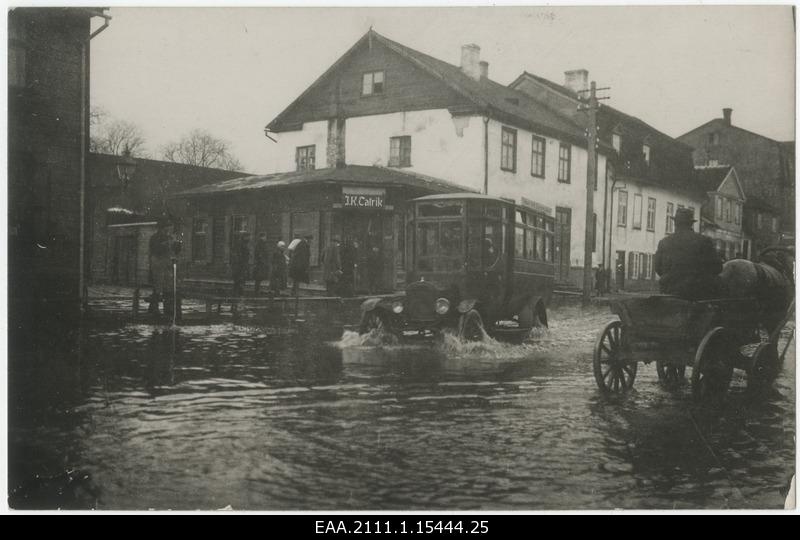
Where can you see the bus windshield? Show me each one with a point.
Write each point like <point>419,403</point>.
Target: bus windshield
<point>440,245</point>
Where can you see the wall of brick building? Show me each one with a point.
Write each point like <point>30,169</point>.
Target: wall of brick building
<point>45,153</point>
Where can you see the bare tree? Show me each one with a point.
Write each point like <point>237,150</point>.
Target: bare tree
<point>202,149</point>
<point>115,136</point>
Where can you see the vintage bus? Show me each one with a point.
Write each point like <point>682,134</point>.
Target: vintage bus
<point>478,265</point>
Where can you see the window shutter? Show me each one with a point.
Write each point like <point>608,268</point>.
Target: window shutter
<point>251,228</point>
<point>188,234</point>
<point>226,244</point>
<point>210,240</point>
<point>630,265</point>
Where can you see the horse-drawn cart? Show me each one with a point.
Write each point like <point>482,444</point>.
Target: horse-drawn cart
<point>711,336</point>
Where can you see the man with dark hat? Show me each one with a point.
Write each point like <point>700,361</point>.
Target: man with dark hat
<point>687,263</point>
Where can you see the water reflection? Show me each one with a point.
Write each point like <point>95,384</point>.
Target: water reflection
<point>300,416</point>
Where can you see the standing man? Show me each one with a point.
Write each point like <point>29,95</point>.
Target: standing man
<point>300,263</point>
<point>260,262</point>
<point>687,263</point>
<point>600,280</point>
<point>160,264</point>
<point>240,258</point>
<point>332,266</point>
<point>349,256</point>
<point>277,278</point>
<point>374,269</point>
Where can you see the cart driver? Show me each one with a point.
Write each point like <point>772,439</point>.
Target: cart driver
<point>687,263</point>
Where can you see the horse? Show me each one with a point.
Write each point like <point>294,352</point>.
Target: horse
<point>770,281</point>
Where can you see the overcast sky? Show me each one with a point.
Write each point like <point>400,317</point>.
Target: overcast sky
<point>232,70</point>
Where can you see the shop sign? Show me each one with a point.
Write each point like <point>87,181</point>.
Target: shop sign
<point>369,198</point>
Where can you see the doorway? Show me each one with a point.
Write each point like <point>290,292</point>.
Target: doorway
<point>372,236</point>
<point>562,243</point>
<point>123,270</point>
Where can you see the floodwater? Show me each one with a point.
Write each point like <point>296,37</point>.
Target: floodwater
<point>302,416</point>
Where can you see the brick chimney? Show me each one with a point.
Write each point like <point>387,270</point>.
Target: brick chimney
<point>726,114</point>
<point>484,65</point>
<point>576,80</point>
<point>470,60</point>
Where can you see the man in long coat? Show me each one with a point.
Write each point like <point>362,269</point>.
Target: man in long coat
<point>300,263</point>
<point>687,263</point>
<point>260,262</point>
<point>332,266</point>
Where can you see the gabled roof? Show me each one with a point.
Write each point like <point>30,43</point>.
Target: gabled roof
<point>488,97</point>
<point>721,123</point>
<point>712,178</point>
<point>350,174</point>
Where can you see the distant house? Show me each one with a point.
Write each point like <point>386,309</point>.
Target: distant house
<point>647,177</point>
<point>764,166</point>
<point>123,215</point>
<point>762,227</point>
<point>48,140</point>
<point>722,214</point>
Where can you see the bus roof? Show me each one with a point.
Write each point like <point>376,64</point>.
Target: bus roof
<point>445,196</point>
<point>529,205</point>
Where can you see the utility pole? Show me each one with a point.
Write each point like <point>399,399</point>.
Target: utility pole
<point>591,107</point>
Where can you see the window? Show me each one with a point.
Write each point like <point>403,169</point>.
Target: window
<point>737,213</point>
<point>400,151</point>
<point>637,211</point>
<point>372,83</point>
<point>199,239</point>
<point>564,158</point>
<point>646,153</point>
<point>670,226</point>
<point>651,214</point>
<point>774,224</point>
<point>759,222</point>
<point>508,149</point>
<point>728,210</point>
<point>718,207</point>
<point>622,214</point>
<point>616,142</point>
<point>537,156</point>
<point>304,158</point>
<point>713,138</point>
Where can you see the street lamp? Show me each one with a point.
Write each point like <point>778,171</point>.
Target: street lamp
<point>126,166</point>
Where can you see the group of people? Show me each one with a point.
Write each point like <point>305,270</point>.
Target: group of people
<point>282,263</point>
<point>275,265</point>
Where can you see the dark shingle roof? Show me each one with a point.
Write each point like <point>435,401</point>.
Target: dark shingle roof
<point>350,174</point>
<point>710,178</point>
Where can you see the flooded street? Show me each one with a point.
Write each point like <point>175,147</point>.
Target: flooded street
<point>272,417</point>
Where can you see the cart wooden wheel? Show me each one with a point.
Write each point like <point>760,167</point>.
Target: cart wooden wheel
<point>670,375</point>
<point>613,373</point>
<point>764,367</point>
<point>713,367</point>
<point>470,326</point>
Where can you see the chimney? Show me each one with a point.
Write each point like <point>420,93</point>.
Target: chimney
<point>470,60</point>
<point>726,114</point>
<point>484,65</point>
<point>576,80</point>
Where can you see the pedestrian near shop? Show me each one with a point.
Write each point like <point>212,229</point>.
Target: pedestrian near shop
<point>277,278</point>
<point>374,269</point>
<point>160,265</point>
<point>260,262</point>
<point>332,266</point>
<point>300,263</point>
<point>349,254</point>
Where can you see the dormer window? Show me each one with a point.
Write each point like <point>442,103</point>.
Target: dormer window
<point>713,138</point>
<point>372,83</point>
<point>616,142</point>
<point>646,153</point>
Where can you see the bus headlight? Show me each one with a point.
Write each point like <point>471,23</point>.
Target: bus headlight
<point>397,307</point>
<point>442,306</point>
